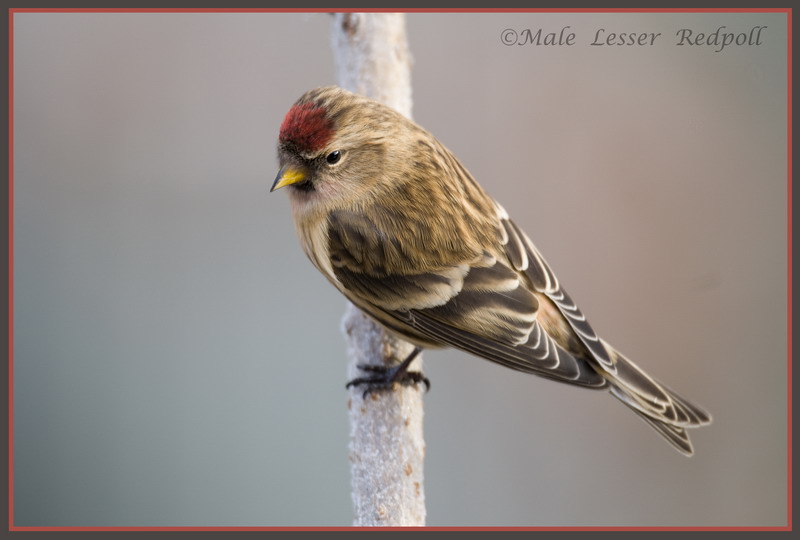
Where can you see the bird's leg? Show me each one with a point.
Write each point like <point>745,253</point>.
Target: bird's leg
<point>384,376</point>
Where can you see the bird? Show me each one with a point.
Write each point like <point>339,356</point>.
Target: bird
<point>399,226</point>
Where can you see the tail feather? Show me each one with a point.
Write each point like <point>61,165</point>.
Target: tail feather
<point>675,435</point>
<point>666,411</point>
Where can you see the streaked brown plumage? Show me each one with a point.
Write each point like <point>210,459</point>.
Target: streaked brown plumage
<point>401,228</point>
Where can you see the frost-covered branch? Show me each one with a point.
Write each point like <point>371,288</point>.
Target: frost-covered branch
<point>387,447</point>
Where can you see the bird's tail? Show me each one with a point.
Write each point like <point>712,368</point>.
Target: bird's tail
<point>666,411</point>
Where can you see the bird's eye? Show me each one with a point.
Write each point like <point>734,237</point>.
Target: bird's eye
<point>334,157</point>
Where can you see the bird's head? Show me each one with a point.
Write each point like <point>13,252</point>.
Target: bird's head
<point>334,149</point>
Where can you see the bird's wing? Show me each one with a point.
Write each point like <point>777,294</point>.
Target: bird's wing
<point>655,402</point>
<point>480,306</point>
<point>526,259</point>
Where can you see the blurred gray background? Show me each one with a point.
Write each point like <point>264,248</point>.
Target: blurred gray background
<point>178,361</point>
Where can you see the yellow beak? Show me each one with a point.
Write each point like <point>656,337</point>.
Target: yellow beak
<point>288,174</point>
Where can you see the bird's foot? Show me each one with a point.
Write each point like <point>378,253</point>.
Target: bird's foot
<point>385,377</point>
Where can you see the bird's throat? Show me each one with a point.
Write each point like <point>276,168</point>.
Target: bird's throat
<point>305,186</point>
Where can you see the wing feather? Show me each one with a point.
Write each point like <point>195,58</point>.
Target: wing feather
<point>543,280</point>
<point>482,307</point>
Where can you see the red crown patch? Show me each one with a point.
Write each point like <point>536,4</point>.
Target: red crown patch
<point>307,127</point>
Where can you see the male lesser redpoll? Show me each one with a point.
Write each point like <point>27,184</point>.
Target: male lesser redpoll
<point>401,228</point>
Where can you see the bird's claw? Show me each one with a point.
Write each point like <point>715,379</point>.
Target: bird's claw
<point>386,377</point>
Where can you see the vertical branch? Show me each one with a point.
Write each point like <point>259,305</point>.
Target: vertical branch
<point>372,57</point>
<point>386,442</point>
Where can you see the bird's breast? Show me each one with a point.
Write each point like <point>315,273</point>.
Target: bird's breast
<point>313,235</point>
